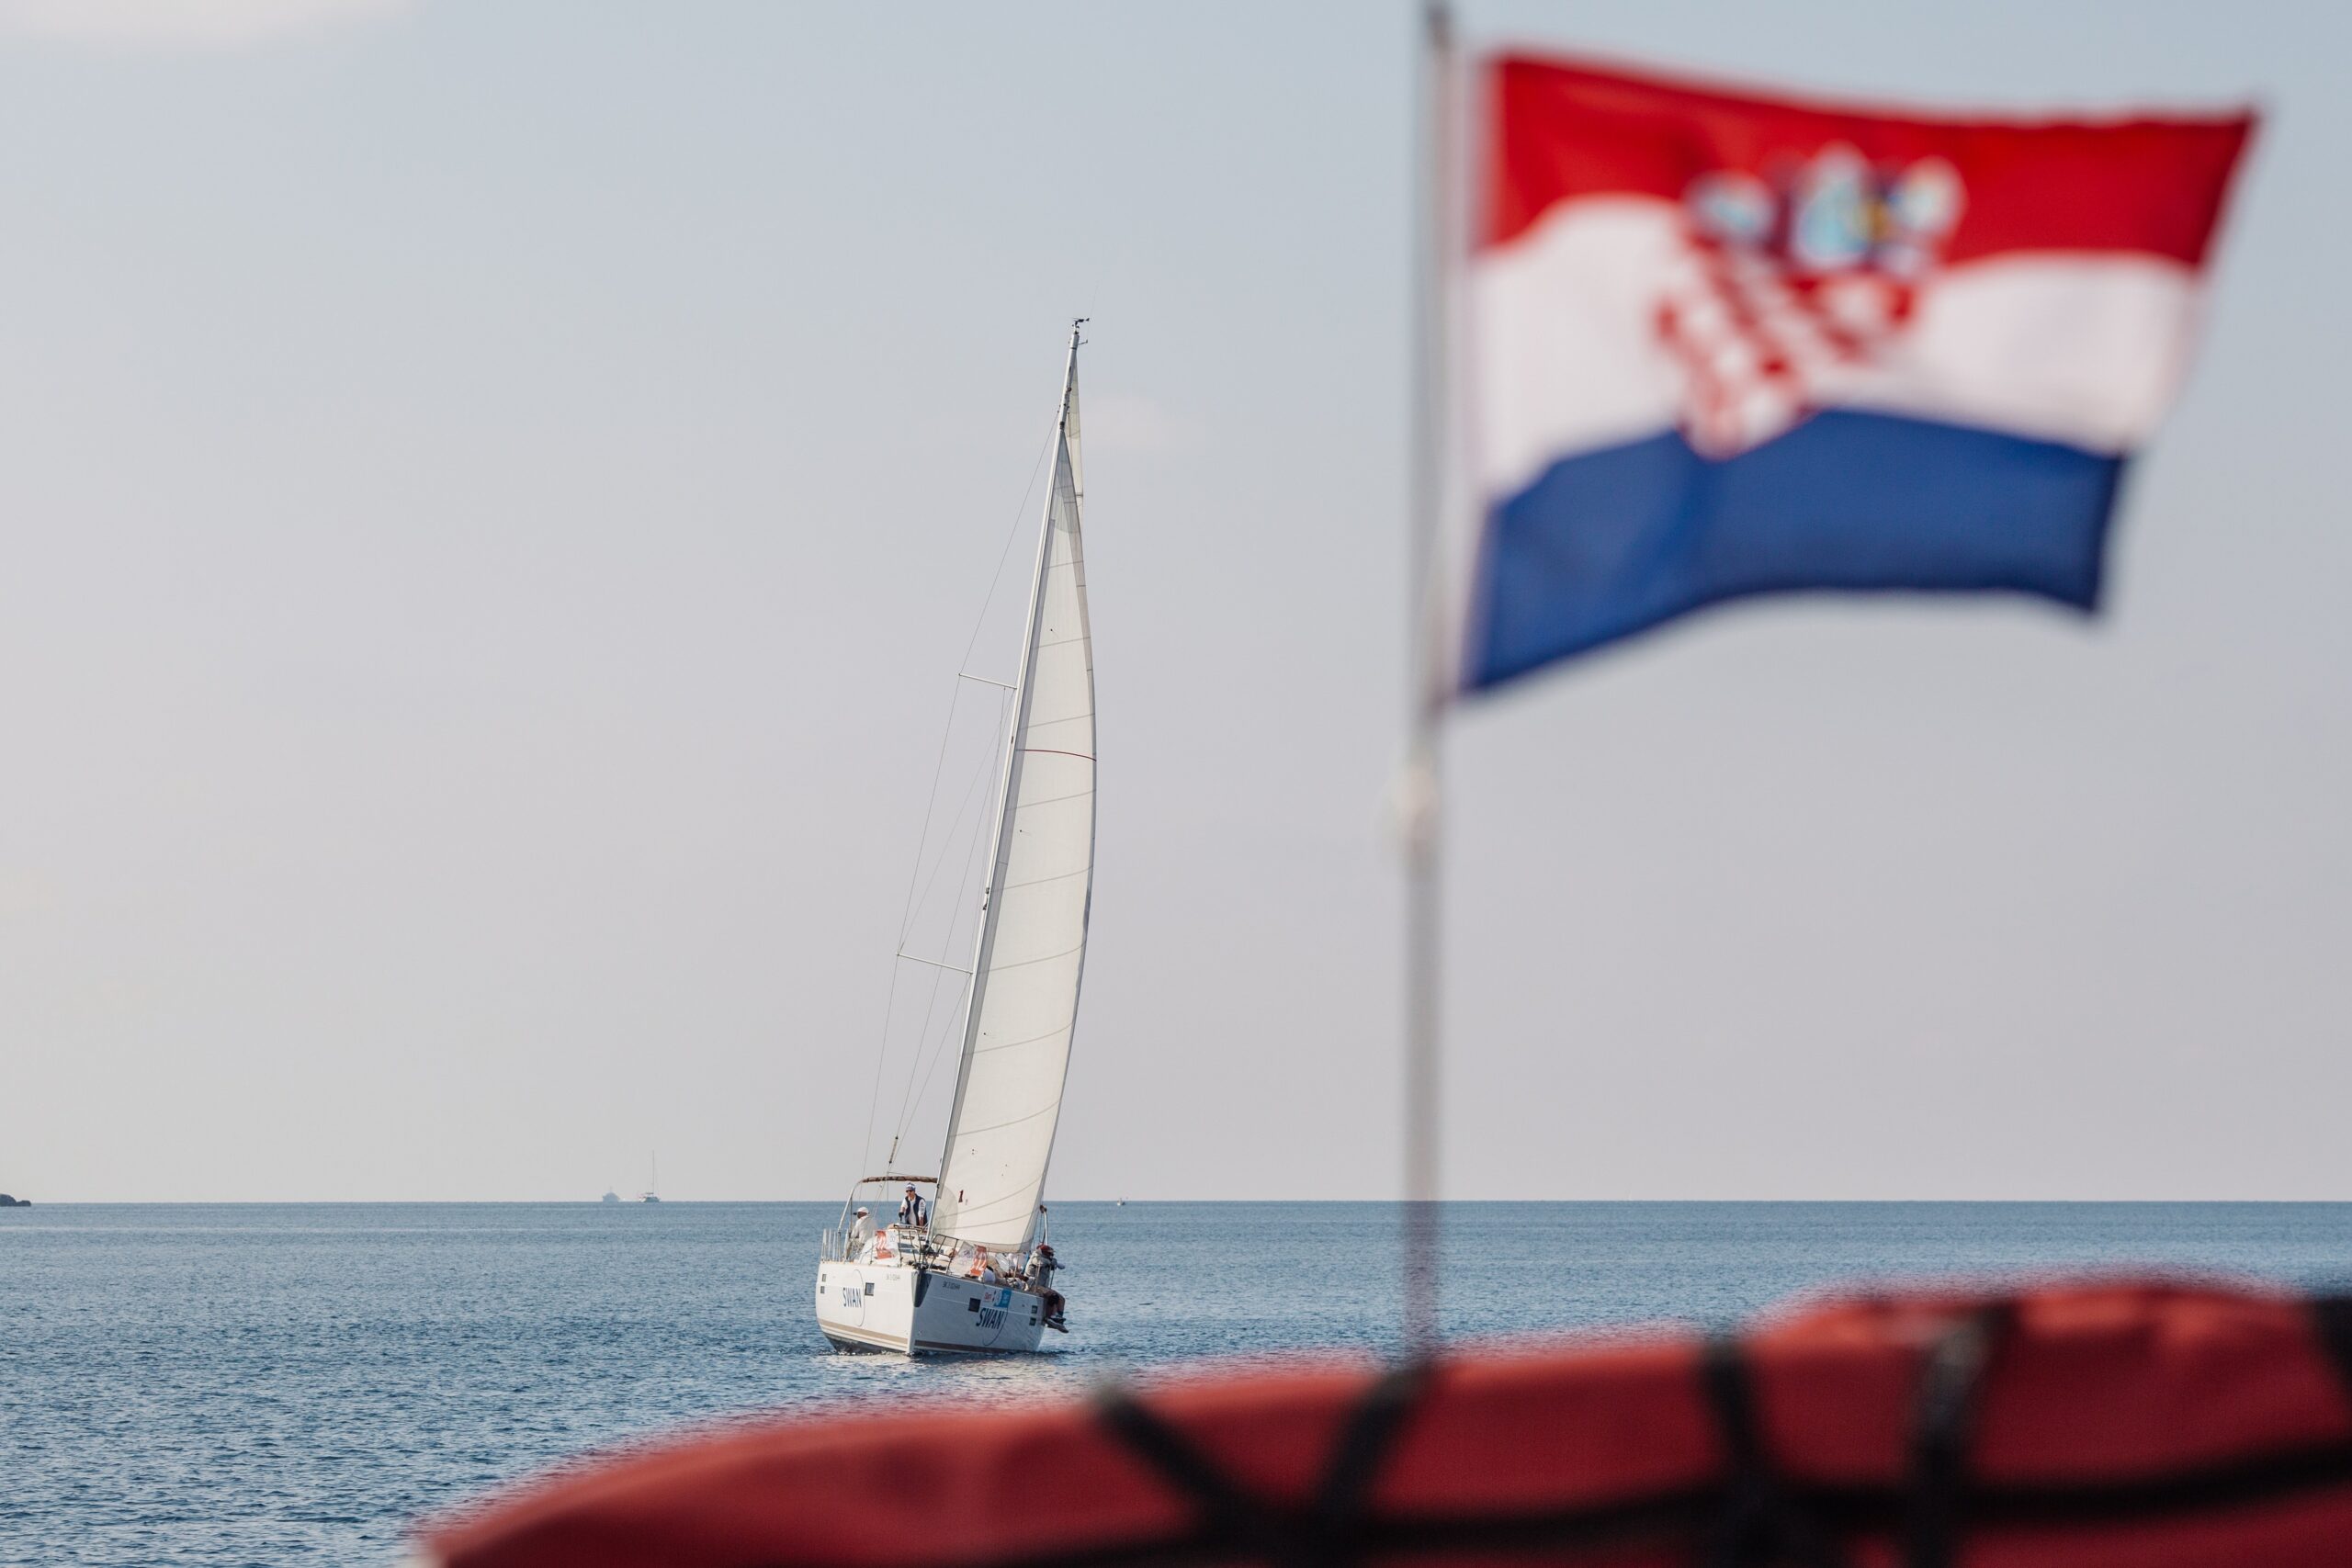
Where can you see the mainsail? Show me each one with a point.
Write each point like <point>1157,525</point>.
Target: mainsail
<point>1032,954</point>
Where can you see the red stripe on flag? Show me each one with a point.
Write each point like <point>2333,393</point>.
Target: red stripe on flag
<point>1558,132</point>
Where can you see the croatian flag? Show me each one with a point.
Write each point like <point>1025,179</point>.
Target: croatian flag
<point>1721,345</point>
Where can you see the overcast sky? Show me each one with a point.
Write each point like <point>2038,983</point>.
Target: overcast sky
<point>496,493</point>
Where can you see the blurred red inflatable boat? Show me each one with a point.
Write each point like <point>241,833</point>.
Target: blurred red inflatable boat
<point>2140,1426</point>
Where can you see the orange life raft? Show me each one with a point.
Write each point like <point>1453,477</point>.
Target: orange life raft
<point>2148,1425</point>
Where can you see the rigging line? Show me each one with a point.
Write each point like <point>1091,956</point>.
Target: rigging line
<point>907,917</point>
<point>938,1054</point>
<point>979,778</point>
<point>930,809</point>
<point>923,841</point>
<point>947,1031</point>
<point>934,963</point>
<point>1006,554</point>
<point>938,975</point>
<point>938,1051</point>
<point>914,1063</point>
<point>922,1030</point>
<point>908,1100</point>
<point>881,1057</point>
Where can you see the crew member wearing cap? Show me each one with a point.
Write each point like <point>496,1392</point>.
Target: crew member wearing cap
<point>861,1233</point>
<point>912,1210</point>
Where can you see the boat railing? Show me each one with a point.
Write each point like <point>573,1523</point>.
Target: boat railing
<point>915,1249</point>
<point>837,1246</point>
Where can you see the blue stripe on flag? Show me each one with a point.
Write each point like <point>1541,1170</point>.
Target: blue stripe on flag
<point>1612,542</point>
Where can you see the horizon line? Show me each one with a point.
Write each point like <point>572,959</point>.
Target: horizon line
<point>1104,1202</point>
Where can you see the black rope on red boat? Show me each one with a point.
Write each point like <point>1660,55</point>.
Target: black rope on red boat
<point>1761,1524</point>
<point>1231,1516</point>
<point>1328,1533</point>
<point>2332,1324</point>
<point>1670,1520</point>
<point>1753,1515</point>
<point>1950,1394</point>
<point>1367,1440</point>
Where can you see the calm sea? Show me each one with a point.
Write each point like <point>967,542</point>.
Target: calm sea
<point>243,1384</point>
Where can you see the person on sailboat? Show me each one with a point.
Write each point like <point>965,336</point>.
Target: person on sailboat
<point>861,1233</point>
<point>912,1211</point>
<point>1040,1278</point>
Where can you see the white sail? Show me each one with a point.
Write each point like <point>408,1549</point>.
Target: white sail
<point>1032,952</point>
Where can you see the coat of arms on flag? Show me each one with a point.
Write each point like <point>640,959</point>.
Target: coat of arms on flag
<point>1784,283</point>
<point>1723,345</point>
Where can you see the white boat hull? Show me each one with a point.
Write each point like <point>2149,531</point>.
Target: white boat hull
<point>919,1312</point>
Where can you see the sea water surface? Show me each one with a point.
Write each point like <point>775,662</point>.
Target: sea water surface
<point>270,1383</point>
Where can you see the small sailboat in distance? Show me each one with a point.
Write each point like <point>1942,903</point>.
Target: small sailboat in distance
<point>652,1180</point>
<point>970,1271</point>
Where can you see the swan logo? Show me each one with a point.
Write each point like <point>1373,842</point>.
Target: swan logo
<point>1787,282</point>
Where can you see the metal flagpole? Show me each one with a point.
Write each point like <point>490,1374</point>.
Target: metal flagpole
<point>1419,803</point>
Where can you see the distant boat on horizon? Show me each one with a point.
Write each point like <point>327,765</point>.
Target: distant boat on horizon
<point>653,1182</point>
<point>610,1197</point>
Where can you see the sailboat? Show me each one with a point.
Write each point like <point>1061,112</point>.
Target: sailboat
<point>652,1193</point>
<point>969,1270</point>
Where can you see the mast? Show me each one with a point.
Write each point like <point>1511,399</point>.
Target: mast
<point>1420,798</point>
<point>950,1203</point>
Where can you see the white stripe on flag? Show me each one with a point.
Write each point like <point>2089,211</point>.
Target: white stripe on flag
<point>1566,353</point>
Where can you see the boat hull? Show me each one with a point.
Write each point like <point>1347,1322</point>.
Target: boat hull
<point>917,1311</point>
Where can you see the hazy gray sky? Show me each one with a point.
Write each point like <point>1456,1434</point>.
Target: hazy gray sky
<point>496,494</point>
